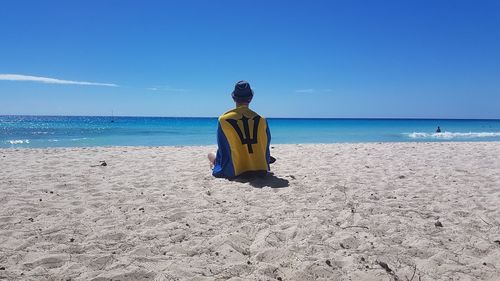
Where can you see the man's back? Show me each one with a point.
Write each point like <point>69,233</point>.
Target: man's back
<point>243,138</point>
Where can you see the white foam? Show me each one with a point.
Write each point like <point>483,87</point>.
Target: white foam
<point>18,141</point>
<point>452,135</point>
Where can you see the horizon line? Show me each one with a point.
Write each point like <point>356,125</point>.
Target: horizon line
<point>213,117</point>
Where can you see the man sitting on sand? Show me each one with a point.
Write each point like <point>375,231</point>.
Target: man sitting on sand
<point>243,139</point>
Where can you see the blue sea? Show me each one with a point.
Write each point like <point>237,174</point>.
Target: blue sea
<point>73,131</point>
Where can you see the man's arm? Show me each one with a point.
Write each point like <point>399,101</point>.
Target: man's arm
<point>223,167</point>
<point>268,151</point>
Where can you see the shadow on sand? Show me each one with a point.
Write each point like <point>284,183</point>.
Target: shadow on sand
<point>257,181</point>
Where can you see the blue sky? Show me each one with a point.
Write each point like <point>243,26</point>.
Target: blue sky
<point>393,59</point>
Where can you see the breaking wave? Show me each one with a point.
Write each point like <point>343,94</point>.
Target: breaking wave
<point>452,135</point>
<point>18,141</point>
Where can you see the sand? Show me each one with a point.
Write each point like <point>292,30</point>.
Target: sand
<point>395,211</point>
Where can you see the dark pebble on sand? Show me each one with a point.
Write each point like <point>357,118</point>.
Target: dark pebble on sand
<point>217,253</point>
<point>51,192</point>
<point>384,266</point>
<point>2,268</point>
<point>40,199</point>
<point>31,219</point>
<point>362,259</point>
<point>279,278</point>
<point>248,262</point>
<point>401,177</point>
<point>484,263</point>
<point>141,209</point>
<point>438,224</point>
<point>328,262</point>
<point>187,224</point>
<point>497,241</point>
<point>72,240</point>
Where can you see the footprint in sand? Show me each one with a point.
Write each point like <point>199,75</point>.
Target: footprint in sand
<point>48,262</point>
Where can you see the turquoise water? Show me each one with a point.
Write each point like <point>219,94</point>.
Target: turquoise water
<point>65,131</point>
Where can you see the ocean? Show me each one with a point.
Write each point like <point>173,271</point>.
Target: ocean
<point>78,131</point>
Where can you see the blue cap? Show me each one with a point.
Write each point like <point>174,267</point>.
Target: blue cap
<point>242,91</point>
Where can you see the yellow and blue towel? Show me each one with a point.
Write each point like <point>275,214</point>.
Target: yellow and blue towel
<point>243,138</point>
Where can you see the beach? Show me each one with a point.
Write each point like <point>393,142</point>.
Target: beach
<point>354,211</point>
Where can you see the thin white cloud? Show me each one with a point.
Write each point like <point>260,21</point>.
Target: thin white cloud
<point>46,80</point>
<point>167,89</point>
<point>305,91</point>
<point>312,91</point>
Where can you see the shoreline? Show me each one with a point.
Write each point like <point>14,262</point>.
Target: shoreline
<point>272,144</point>
<point>329,211</point>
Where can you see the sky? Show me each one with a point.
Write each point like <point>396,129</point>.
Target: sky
<point>306,59</point>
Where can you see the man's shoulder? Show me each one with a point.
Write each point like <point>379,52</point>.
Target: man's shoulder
<point>228,115</point>
<point>236,113</point>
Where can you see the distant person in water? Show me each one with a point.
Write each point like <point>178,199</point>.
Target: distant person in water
<point>438,130</point>
<point>243,139</point>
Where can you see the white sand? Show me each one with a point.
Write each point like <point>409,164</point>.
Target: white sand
<point>158,214</point>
